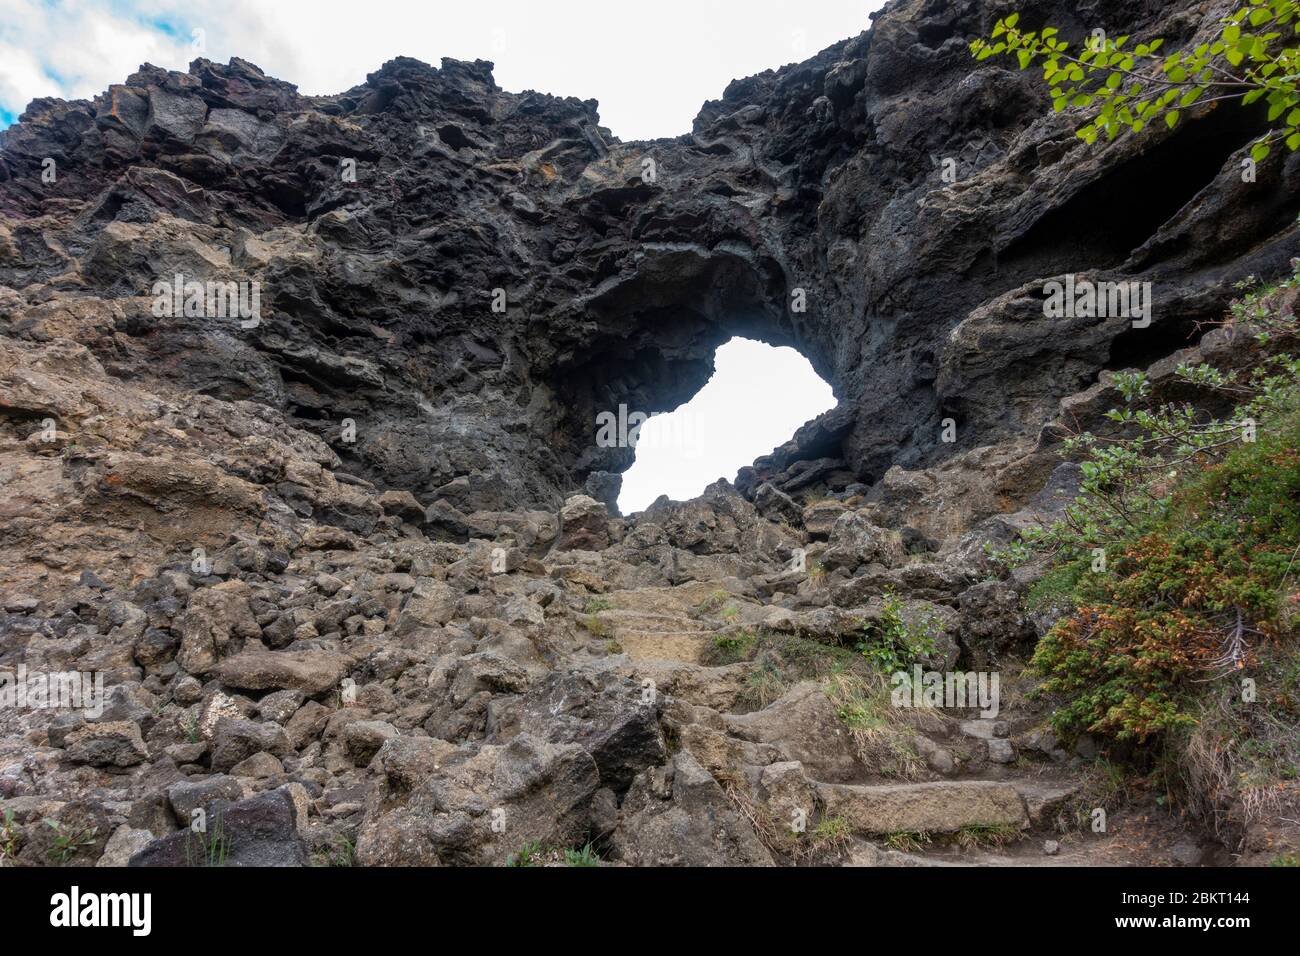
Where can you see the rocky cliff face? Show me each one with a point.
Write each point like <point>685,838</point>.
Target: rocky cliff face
<point>233,515</point>
<point>618,279</point>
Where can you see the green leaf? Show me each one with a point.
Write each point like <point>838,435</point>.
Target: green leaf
<point>1171,118</point>
<point>1260,152</point>
<point>1012,20</point>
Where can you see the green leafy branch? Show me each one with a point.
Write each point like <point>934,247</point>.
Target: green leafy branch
<point>1129,88</point>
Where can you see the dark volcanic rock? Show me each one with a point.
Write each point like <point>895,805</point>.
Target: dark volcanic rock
<point>340,520</point>
<point>456,281</point>
<point>260,831</point>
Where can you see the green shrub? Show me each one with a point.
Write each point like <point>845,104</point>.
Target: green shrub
<point>891,643</point>
<point>1179,557</point>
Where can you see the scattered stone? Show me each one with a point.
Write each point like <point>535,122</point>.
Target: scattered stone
<point>259,831</point>
<point>123,844</point>
<point>115,743</point>
<point>311,672</point>
<point>363,738</point>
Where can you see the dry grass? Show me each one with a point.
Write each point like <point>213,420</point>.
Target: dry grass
<point>882,734</point>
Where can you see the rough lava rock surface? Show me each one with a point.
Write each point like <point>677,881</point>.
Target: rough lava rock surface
<point>351,572</point>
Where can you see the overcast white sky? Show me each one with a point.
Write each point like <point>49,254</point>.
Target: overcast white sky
<point>651,64</point>
<point>757,398</point>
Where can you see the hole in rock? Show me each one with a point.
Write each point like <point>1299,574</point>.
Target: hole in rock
<point>758,397</point>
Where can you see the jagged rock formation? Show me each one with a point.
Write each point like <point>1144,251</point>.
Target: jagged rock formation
<point>923,300</point>
<point>403,641</point>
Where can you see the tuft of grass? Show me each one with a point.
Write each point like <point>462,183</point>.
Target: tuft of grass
<point>975,835</point>
<point>713,602</point>
<point>8,837</point>
<point>907,841</point>
<point>342,853</point>
<point>731,648</point>
<point>881,733</point>
<point>763,685</point>
<point>1104,784</point>
<point>597,604</point>
<point>208,849</point>
<point>831,832</point>
<point>594,626</point>
<point>583,857</point>
<point>529,854</point>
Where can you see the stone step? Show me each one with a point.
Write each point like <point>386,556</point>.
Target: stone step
<point>985,729</point>
<point>942,807</point>
<point>681,600</point>
<point>684,646</point>
<point>620,620</point>
<point>1044,798</point>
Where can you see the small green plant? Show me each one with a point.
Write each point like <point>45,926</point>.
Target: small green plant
<point>8,837</point>
<point>191,727</point>
<point>67,842</point>
<point>594,626</point>
<point>210,848</point>
<point>342,853</point>
<point>729,612</point>
<point>597,604</point>
<point>891,642</point>
<point>730,648</point>
<point>583,857</point>
<point>713,602</point>
<point>527,855</point>
<point>831,831</point>
<point>1287,859</point>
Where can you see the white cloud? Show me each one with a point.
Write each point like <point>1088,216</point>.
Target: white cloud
<point>757,398</point>
<point>651,65</point>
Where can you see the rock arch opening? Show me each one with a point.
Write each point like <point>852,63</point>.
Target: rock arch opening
<point>643,343</point>
<point>757,398</point>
